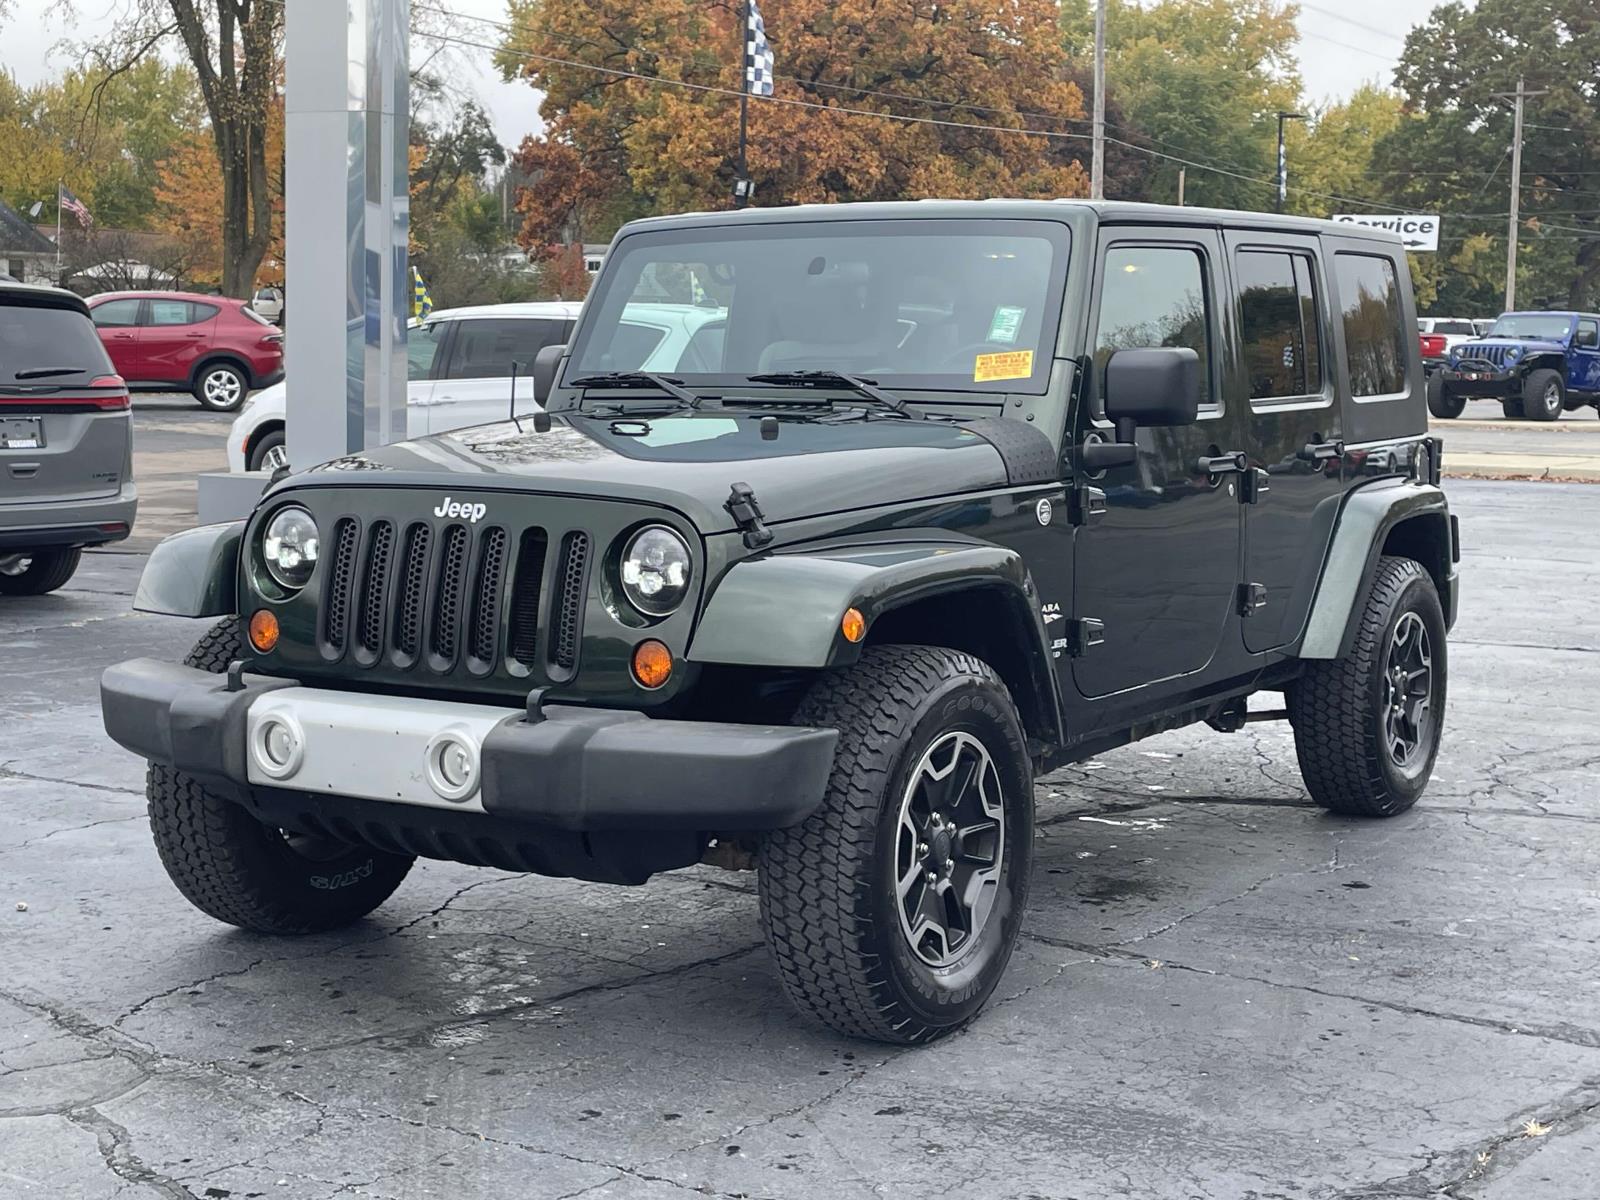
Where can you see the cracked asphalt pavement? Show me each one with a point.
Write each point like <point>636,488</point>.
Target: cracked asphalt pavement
<point>1222,992</point>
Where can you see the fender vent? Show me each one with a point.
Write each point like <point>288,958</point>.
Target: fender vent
<point>484,635</point>
<point>573,574</point>
<point>525,592</point>
<point>341,573</point>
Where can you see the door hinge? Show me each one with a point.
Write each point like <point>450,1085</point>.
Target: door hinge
<point>1085,503</point>
<point>1252,597</point>
<point>1083,633</point>
<point>746,512</point>
<point>1255,484</point>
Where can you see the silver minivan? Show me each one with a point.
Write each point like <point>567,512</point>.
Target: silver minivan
<point>66,440</point>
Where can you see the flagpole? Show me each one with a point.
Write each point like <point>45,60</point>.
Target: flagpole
<point>741,190</point>
<point>57,279</point>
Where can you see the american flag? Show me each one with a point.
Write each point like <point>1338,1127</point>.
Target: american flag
<point>70,203</point>
<point>757,53</point>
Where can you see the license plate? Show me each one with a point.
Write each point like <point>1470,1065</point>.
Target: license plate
<point>21,433</point>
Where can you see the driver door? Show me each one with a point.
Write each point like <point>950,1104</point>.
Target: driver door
<point>1155,575</point>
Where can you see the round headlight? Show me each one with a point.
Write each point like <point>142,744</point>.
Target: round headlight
<point>289,547</point>
<point>655,570</point>
<point>1514,352</point>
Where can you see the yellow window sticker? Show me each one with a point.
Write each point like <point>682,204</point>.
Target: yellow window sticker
<point>1009,364</point>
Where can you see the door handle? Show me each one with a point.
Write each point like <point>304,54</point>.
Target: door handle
<point>122,337</point>
<point>194,335</point>
<point>1321,451</point>
<point>1235,462</point>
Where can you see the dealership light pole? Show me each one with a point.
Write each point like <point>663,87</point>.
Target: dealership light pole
<point>1518,96</point>
<point>1097,167</point>
<point>1283,158</point>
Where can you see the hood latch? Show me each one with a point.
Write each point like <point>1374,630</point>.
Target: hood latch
<point>746,512</point>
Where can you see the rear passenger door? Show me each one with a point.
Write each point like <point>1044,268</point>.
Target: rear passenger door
<point>474,387</point>
<point>1290,495</point>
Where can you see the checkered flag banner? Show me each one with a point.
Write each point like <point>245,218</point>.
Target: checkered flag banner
<point>757,53</point>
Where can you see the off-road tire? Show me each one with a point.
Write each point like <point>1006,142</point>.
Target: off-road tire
<point>1440,401</point>
<point>1537,395</point>
<point>1511,406</point>
<point>236,392</point>
<point>242,872</point>
<point>1336,706</point>
<point>827,885</point>
<point>46,571</point>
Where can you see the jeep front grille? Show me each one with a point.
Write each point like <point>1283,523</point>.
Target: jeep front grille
<point>439,597</point>
<point>1488,354</point>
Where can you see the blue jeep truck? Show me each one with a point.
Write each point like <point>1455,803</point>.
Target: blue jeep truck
<point>1537,364</point>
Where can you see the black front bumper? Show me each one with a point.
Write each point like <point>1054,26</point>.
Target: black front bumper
<point>1482,381</point>
<point>578,769</point>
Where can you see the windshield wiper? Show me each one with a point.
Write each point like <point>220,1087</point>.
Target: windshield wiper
<point>49,372</point>
<point>630,379</point>
<point>866,388</point>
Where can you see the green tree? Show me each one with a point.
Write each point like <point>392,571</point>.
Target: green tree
<point>1330,155</point>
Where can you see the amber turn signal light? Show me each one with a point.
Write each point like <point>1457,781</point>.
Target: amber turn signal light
<point>263,630</point>
<point>652,663</point>
<point>853,625</point>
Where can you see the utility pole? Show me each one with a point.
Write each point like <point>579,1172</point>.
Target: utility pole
<point>1097,169</point>
<point>1283,158</point>
<point>1180,186</point>
<point>1518,96</point>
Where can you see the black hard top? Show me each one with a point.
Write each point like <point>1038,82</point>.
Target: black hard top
<point>1074,211</point>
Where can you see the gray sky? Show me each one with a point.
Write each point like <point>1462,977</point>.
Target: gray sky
<point>1343,44</point>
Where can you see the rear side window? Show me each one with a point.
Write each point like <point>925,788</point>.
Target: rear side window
<point>1374,333</point>
<point>39,339</point>
<point>486,349</point>
<point>1279,324</point>
<point>1588,335</point>
<point>116,314</point>
<point>1154,296</point>
<point>1453,327</point>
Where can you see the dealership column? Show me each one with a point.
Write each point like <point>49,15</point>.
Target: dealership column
<point>346,223</point>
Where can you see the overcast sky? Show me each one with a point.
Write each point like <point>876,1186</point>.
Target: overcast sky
<point>1343,44</point>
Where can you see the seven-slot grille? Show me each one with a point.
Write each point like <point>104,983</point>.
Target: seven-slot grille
<point>1489,354</point>
<point>451,597</point>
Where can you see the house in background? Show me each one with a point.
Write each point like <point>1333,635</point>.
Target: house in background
<point>25,253</point>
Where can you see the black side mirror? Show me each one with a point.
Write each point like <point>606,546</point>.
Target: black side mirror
<point>1158,386</point>
<point>544,372</point>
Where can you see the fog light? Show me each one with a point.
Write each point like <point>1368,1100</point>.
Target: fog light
<point>277,746</point>
<point>263,630</point>
<point>652,663</point>
<point>452,765</point>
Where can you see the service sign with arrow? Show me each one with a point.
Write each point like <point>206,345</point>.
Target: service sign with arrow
<point>1419,231</point>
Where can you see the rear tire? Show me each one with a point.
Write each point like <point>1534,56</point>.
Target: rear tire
<point>221,387</point>
<point>38,571</point>
<point>242,872</point>
<point>931,776</point>
<point>1367,744</point>
<point>1440,402</point>
<point>1544,395</point>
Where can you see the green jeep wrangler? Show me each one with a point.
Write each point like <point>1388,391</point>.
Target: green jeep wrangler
<point>937,497</point>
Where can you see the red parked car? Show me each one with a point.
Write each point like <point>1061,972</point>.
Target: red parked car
<point>218,348</point>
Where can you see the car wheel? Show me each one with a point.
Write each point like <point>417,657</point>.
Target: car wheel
<point>35,572</point>
<point>1441,403</point>
<point>1367,726</point>
<point>1512,408</point>
<point>221,387</point>
<point>245,873</point>
<point>269,453</point>
<point>1543,395</point>
<point>892,910</point>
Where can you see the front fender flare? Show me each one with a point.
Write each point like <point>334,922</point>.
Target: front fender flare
<point>1365,521</point>
<point>194,573</point>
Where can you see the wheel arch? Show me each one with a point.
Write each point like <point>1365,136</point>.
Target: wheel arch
<point>259,432</point>
<point>193,574</point>
<point>961,594</point>
<point>1548,360</point>
<point>212,358</point>
<point>1400,519</point>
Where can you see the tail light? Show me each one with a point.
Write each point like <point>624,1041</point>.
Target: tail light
<point>1432,345</point>
<point>272,339</point>
<point>105,393</point>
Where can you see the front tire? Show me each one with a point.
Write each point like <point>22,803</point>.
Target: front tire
<point>269,453</point>
<point>1544,395</point>
<point>221,387</point>
<point>242,872</point>
<point>35,572</point>
<point>892,910</point>
<point>1441,403</point>
<point>1367,726</point>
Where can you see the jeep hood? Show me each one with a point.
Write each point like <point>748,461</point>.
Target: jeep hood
<point>830,462</point>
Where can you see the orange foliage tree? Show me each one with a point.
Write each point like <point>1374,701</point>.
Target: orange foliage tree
<point>616,147</point>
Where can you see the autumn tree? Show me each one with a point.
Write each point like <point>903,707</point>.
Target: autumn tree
<point>615,146</point>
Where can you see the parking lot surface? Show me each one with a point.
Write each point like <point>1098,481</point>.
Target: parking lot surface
<point>1221,992</point>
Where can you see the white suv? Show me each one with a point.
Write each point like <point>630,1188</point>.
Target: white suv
<point>460,367</point>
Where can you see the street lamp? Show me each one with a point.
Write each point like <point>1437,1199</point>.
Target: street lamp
<point>1283,161</point>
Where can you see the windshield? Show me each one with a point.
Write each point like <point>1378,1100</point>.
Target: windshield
<point>1531,325</point>
<point>934,305</point>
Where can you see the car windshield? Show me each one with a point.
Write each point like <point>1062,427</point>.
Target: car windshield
<point>38,337</point>
<point>935,304</point>
<point>1531,325</point>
